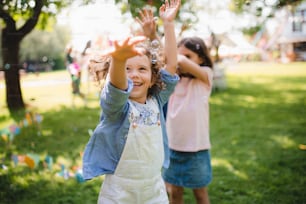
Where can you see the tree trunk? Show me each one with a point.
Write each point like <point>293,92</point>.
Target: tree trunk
<point>11,66</point>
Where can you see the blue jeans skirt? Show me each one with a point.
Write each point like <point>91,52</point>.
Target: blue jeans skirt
<point>189,169</point>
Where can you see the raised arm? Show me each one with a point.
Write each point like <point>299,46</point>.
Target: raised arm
<point>188,66</point>
<point>167,13</point>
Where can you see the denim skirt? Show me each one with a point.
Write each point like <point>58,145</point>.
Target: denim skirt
<point>189,169</point>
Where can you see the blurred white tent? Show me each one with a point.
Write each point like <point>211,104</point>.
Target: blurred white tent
<point>235,44</point>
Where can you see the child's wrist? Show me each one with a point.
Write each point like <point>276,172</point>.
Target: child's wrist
<point>168,23</point>
<point>153,37</point>
<point>118,60</point>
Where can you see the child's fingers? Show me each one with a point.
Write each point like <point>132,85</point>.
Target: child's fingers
<point>166,3</point>
<point>136,39</point>
<point>119,45</point>
<point>150,13</point>
<point>172,3</point>
<point>124,41</point>
<point>138,21</point>
<point>145,13</point>
<point>141,14</point>
<point>162,9</point>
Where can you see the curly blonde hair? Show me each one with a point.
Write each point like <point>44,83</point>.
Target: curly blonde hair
<point>99,66</point>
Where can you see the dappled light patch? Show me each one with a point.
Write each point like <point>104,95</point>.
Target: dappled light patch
<point>226,164</point>
<point>302,147</point>
<point>46,133</point>
<point>284,141</point>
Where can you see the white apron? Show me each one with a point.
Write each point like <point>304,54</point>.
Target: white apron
<point>137,178</point>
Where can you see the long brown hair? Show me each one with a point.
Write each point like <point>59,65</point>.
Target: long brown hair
<point>197,45</point>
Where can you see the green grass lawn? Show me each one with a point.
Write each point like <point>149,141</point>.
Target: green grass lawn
<point>258,129</point>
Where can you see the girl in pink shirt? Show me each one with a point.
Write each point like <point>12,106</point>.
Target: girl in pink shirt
<point>188,123</point>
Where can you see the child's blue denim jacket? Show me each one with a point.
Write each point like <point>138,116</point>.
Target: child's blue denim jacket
<point>103,151</point>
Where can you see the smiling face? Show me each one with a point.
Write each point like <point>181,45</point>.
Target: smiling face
<point>139,71</point>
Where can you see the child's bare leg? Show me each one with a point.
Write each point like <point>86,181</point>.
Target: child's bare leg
<point>175,193</point>
<point>201,195</point>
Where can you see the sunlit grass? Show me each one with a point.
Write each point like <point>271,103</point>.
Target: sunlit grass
<point>46,91</point>
<point>284,141</point>
<point>266,69</point>
<point>257,130</point>
<point>226,164</point>
<point>258,125</point>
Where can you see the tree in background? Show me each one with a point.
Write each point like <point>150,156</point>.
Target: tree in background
<point>261,9</point>
<point>189,10</point>
<point>188,17</point>
<point>55,40</point>
<point>20,17</point>
<point>259,5</point>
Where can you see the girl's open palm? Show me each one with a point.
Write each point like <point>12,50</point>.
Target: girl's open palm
<point>122,50</point>
<point>169,9</point>
<point>147,22</point>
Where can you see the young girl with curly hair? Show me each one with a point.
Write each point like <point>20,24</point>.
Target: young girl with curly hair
<point>129,145</point>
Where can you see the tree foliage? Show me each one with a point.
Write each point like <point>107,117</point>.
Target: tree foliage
<point>52,43</point>
<point>261,9</point>
<point>187,15</point>
<point>257,6</point>
<point>133,6</point>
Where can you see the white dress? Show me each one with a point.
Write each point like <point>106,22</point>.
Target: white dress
<point>137,178</point>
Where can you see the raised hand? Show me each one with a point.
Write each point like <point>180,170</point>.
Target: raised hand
<point>167,13</point>
<point>122,50</point>
<point>169,9</point>
<point>148,23</point>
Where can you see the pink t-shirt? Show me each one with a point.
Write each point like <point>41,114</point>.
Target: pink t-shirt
<point>188,114</point>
